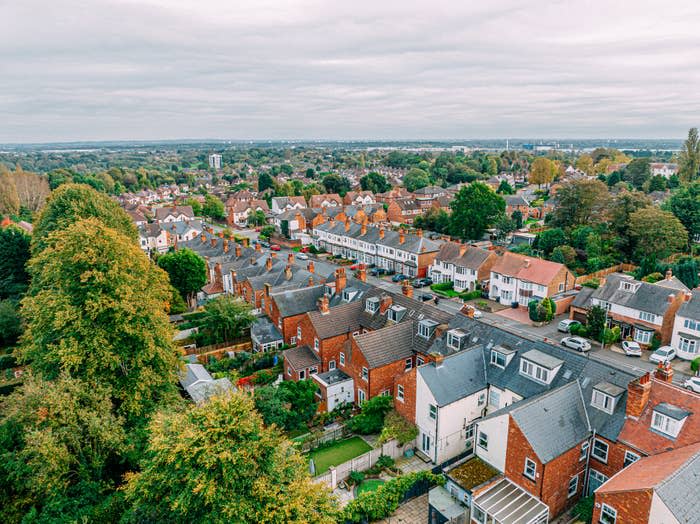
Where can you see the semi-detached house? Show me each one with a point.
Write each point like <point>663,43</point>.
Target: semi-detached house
<point>465,266</point>
<point>686,328</point>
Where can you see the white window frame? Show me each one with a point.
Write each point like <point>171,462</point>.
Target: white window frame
<point>453,340</point>
<point>688,345</point>
<point>432,411</point>
<point>298,333</point>
<point>365,374</point>
<point>630,458</point>
<point>643,337</point>
<point>483,440</point>
<point>530,469</point>
<point>423,331</point>
<point>419,361</point>
<point>603,401</point>
<point>341,357</point>
<point>302,374</point>
<point>535,372</point>
<point>573,486</point>
<point>494,398</point>
<point>408,364</point>
<point>371,306</point>
<point>595,455</point>
<point>647,317</point>
<point>608,514</point>
<point>316,344</point>
<point>665,424</point>
<point>584,451</point>
<point>331,365</point>
<point>399,392</point>
<point>495,356</point>
<point>361,397</point>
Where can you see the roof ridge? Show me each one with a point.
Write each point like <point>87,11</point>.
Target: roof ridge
<point>688,463</point>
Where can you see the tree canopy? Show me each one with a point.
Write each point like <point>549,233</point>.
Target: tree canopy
<point>336,184</point>
<point>415,179</point>
<point>213,207</point>
<point>474,209</point>
<point>581,202</point>
<point>374,182</point>
<point>656,233</point>
<point>14,255</point>
<point>187,271</point>
<point>225,318</point>
<point>690,156</point>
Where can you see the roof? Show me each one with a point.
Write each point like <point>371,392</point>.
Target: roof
<point>691,308</point>
<point>582,299</point>
<point>543,359</point>
<point>339,320</point>
<point>472,257</point>
<point>457,377</point>
<point>200,385</point>
<point>301,357</point>
<point>264,331</point>
<point>161,213</point>
<point>510,504</point>
<point>553,423</point>
<point>651,298</point>
<point>679,490</point>
<point>531,269</point>
<point>334,376</point>
<point>387,345</point>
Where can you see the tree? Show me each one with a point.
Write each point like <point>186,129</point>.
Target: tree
<point>14,255</point>
<point>585,164</point>
<point>371,418</point>
<point>475,208</point>
<point>257,218</point>
<point>290,405</point>
<point>213,208</point>
<point>195,205</point>
<point>581,202</point>
<point>657,183</point>
<point>638,172</point>
<point>374,182</point>
<point>656,233</point>
<point>624,204</point>
<point>99,314</point>
<point>10,323</point>
<point>60,447</point>
<point>187,271</point>
<point>517,218</point>
<point>435,219</point>
<point>504,226</point>
<point>226,318</point>
<point>504,188</point>
<point>265,181</point>
<point>9,198</point>
<point>542,171</point>
<point>690,156</point>
<point>336,184</point>
<point>686,270</point>
<point>685,204</point>
<point>73,202</point>
<point>32,189</point>
<point>595,318</point>
<point>415,179</point>
<point>217,462</point>
<point>549,239</point>
<point>564,255</point>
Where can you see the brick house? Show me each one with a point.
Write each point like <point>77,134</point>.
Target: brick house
<point>403,211</point>
<point>355,198</point>
<point>465,266</point>
<point>327,200</point>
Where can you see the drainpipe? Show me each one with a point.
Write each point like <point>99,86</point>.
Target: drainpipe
<point>437,428</point>
<point>588,460</point>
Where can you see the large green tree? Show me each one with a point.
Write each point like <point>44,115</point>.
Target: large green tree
<point>289,405</point>
<point>656,233</point>
<point>374,182</point>
<point>690,156</point>
<point>72,202</point>
<point>624,203</point>
<point>638,172</point>
<point>217,462</point>
<point>99,313</point>
<point>685,204</point>
<point>581,202</point>
<point>226,318</point>
<point>474,209</point>
<point>334,183</point>
<point>187,271</point>
<point>14,255</point>
<point>415,179</point>
<point>213,208</point>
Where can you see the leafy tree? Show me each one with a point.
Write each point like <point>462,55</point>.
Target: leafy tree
<point>195,205</point>
<point>504,188</point>
<point>549,239</point>
<point>416,179</point>
<point>267,231</point>
<point>475,208</point>
<point>217,462</point>
<point>581,202</point>
<point>310,173</point>
<point>336,184</point>
<point>226,318</point>
<point>10,323</point>
<point>289,405</point>
<point>60,446</point>
<point>265,181</point>
<point>14,255</point>
<point>690,156</point>
<point>73,202</point>
<point>638,172</point>
<point>257,218</point>
<point>213,207</point>
<point>374,182</point>
<point>99,314</point>
<point>595,319</point>
<point>371,418</point>
<point>33,189</point>
<point>542,171</point>
<point>435,219</point>
<point>504,226</point>
<point>564,255</point>
<point>585,164</point>
<point>624,204</point>
<point>9,199</point>
<point>657,183</point>
<point>656,233</point>
<point>686,270</point>
<point>685,204</point>
<point>397,427</point>
<point>187,271</point>
<point>517,218</point>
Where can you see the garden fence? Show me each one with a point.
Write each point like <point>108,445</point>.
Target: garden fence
<point>621,268</point>
<point>312,442</point>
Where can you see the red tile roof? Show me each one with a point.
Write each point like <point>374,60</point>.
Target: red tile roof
<point>531,269</point>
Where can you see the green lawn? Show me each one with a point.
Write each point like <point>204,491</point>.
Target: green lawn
<point>338,453</point>
<point>369,485</point>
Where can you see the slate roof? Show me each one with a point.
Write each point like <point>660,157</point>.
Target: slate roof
<point>387,345</point>
<point>161,213</point>
<point>200,385</point>
<point>293,302</point>
<point>291,214</point>
<point>472,258</point>
<point>301,357</point>
<point>515,200</point>
<point>582,299</point>
<point>651,298</point>
<point>553,423</point>
<point>691,308</point>
<point>458,376</point>
<point>264,331</point>
<point>341,319</point>
<point>278,278</point>
<point>679,490</point>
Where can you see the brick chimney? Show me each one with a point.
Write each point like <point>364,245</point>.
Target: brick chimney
<point>323,306</point>
<point>664,372</point>
<point>246,241</point>
<point>361,273</point>
<point>238,250</point>
<point>258,247</point>
<point>301,221</point>
<point>439,359</point>
<point>311,281</point>
<point>340,279</point>
<point>381,232</point>
<point>419,233</point>
<point>213,241</point>
<point>384,303</point>
<point>670,298</point>
<point>268,264</point>
<point>218,277</point>
<point>288,272</point>
<point>462,249</point>
<point>526,262</point>
<point>402,236</point>
<point>221,234</point>
<point>638,395</point>
<point>669,274</point>
<point>203,237</point>
<point>268,287</point>
<point>363,229</point>
<point>310,266</point>
<point>290,258</point>
<point>407,288</point>
<point>225,246</point>
<point>347,225</point>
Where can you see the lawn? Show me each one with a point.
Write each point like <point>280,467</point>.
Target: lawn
<point>369,485</point>
<point>338,453</point>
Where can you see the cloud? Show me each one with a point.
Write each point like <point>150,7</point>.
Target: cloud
<point>157,69</point>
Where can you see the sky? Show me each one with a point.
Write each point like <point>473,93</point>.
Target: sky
<point>353,69</point>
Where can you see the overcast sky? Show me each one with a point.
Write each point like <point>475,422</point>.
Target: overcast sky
<point>246,69</point>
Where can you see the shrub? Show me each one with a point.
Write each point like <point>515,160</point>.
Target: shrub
<point>652,278</point>
<point>584,509</point>
<point>356,477</point>
<point>470,295</point>
<point>385,461</point>
<point>593,283</point>
<point>371,419</point>
<point>579,330</point>
<point>396,426</point>
<point>7,361</point>
<point>444,286</point>
<point>610,336</point>
<point>655,342</point>
<point>695,364</point>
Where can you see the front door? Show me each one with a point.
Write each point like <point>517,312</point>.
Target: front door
<point>426,444</point>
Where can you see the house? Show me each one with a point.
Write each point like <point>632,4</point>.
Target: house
<point>358,198</point>
<point>661,488</point>
<point>238,213</point>
<point>426,196</point>
<point>519,279</point>
<point>685,337</point>
<point>403,211</point>
<point>465,266</point>
<point>153,238</point>
<point>298,223</point>
<point>518,202</point>
<point>335,388</point>
<point>137,216</point>
<point>392,194</point>
<point>300,363</point>
<point>326,200</point>
<point>200,385</point>
<point>265,336</point>
<point>281,204</point>
<point>664,169</point>
<point>173,214</point>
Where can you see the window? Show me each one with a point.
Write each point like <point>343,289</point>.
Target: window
<point>507,280</point>
<point>691,324</point>
<point>573,486</point>
<point>313,370</point>
<point>498,359</point>
<point>483,440</point>
<point>371,305</point>
<point>454,339</point>
<point>687,345</point>
<point>478,515</point>
<point>293,341</point>
<point>600,450</point>
<point>399,392</point>
<point>386,393</point>
<point>331,365</point>
<point>432,411</point>
<point>494,398</point>
<point>360,396</point>
<point>342,359</point>
<point>482,399</point>
<point>607,515</point>
<point>584,451</point>
<point>408,364</point>
<point>530,469</point>
<point>316,344</point>
<point>602,401</point>
<point>643,337</point>
<point>630,458</point>
<point>419,361</point>
<point>539,373</point>
<point>299,333</point>
<point>289,371</point>
<point>649,317</point>
<point>302,374</point>
<point>365,373</point>
<point>666,425</point>
<point>561,287</point>
<point>424,330</point>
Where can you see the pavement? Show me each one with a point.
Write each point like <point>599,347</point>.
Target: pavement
<point>415,511</point>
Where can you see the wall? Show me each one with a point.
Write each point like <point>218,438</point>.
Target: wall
<point>659,512</point>
<point>407,406</point>
<point>497,430</point>
<point>632,506</point>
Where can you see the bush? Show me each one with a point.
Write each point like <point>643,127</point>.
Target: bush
<point>397,427</point>
<point>610,336</point>
<point>695,365</point>
<point>356,477</point>
<point>652,278</point>
<point>7,361</point>
<point>579,330</point>
<point>444,286</point>
<point>542,311</point>
<point>470,295</point>
<point>371,419</point>
<point>584,509</point>
<point>593,283</point>
<point>385,461</point>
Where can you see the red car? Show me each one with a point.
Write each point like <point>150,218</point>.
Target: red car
<point>355,266</point>
<point>304,249</point>
<point>275,247</point>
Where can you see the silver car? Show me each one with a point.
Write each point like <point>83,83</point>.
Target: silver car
<point>693,384</point>
<point>579,344</point>
<point>631,349</point>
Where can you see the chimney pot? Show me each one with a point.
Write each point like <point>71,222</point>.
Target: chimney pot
<point>323,305</point>
<point>402,237</point>
<point>288,272</point>
<point>638,396</point>
<point>238,250</point>
<point>669,274</point>
<point>664,372</point>
<point>258,247</point>
<point>381,232</point>
<point>384,303</point>
<point>407,288</point>
<point>527,262</point>
<point>310,266</point>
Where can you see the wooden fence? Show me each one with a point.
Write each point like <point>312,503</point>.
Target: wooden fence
<point>620,268</point>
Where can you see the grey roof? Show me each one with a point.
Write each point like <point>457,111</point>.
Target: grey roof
<point>192,374</point>
<point>412,243</point>
<point>339,320</point>
<point>583,298</point>
<point>301,357</point>
<point>543,359</point>
<point>334,376</point>
<point>609,389</point>
<point>691,308</point>
<point>264,331</point>
<point>293,302</point>
<point>555,422</point>
<point>458,376</point>
<point>387,345</point>
<point>672,411</point>
<point>651,298</point>
<point>200,385</point>
<point>679,491</point>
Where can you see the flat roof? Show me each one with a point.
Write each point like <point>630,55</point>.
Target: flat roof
<point>543,359</point>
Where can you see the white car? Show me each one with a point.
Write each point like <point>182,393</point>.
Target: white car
<point>579,344</point>
<point>631,349</point>
<point>477,314</point>
<point>693,384</point>
<point>565,325</point>
<point>663,354</point>
<point>302,256</point>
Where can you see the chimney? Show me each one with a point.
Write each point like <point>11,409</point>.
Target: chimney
<point>288,272</point>
<point>213,241</point>
<point>670,298</point>
<point>638,395</point>
<point>217,273</point>
<point>310,266</point>
<point>268,287</point>
<point>268,264</point>
<point>347,225</point>
<point>381,232</point>
<point>687,296</point>
<point>258,247</point>
<point>238,250</point>
<point>407,288</point>
<point>402,236</point>
<point>669,274</point>
<point>340,279</point>
<point>290,258</point>
<point>419,233</point>
<point>311,281</point>
<point>203,237</point>
<point>323,306</point>
<point>526,262</point>
<point>361,273</point>
<point>664,372</point>
<point>246,241</point>
<point>225,246</point>
<point>384,303</point>
<point>221,234</point>
<point>363,229</point>
<point>462,249</point>
<point>439,359</point>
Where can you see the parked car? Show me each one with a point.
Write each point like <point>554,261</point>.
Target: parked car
<point>275,247</point>
<point>304,249</point>
<point>264,244</point>
<point>302,256</point>
<point>424,297</point>
<point>663,354</point>
<point>565,325</point>
<point>579,344</point>
<point>693,384</point>
<point>477,314</point>
<point>631,348</point>
<point>355,267</point>
<point>399,278</point>
<point>422,282</point>
<point>377,271</point>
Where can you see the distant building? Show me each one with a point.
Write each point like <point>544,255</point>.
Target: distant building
<point>215,161</point>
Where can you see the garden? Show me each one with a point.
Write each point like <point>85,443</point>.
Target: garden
<point>446,289</point>
<point>337,452</point>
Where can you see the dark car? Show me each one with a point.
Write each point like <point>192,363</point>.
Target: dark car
<point>377,271</point>
<point>399,278</point>
<point>264,244</point>
<point>424,297</point>
<point>422,282</point>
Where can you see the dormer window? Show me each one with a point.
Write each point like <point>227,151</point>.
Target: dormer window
<point>668,419</point>
<point>349,294</point>
<point>426,328</point>
<point>372,305</point>
<point>604,396</point>
<point>498,359</point>
<point>539,366</point>
<point>628,286</point>
<point>455,339</point>
<point>532,370</point>
<point>396,313</point>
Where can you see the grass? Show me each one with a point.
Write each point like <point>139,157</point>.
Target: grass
<point>337,453</point>
<point>369,485</point>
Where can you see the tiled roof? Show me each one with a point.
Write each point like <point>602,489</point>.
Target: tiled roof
<point>679,490</point>
<point>457,377</point>
<point>294,302</point>
<point>387,345</point>
<point>339,320</point>
<point>651,298</point>
<point>531,269</point>
<point>161,213</point>
<point>691,308</point>
<point>264,331</point>
<point>301,357</point>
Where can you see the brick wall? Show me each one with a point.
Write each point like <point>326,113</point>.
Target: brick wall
<point>407,407</point>
<point>329,348</point>
<point>632,506</point>
<point>616,458</point>
<point>564,276</point>
<point>380,379</point>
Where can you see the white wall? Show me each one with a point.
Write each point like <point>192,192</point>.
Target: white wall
<point>676,338</point>
<point>339,393</point>
<point>497,430</point>
<point>426,425</point>
<point>659,512</point>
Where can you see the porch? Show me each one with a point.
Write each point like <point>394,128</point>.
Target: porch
<point>506,503</point>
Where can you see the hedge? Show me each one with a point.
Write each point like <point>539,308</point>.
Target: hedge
<point>470,295</point>
<point>7,361</point>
